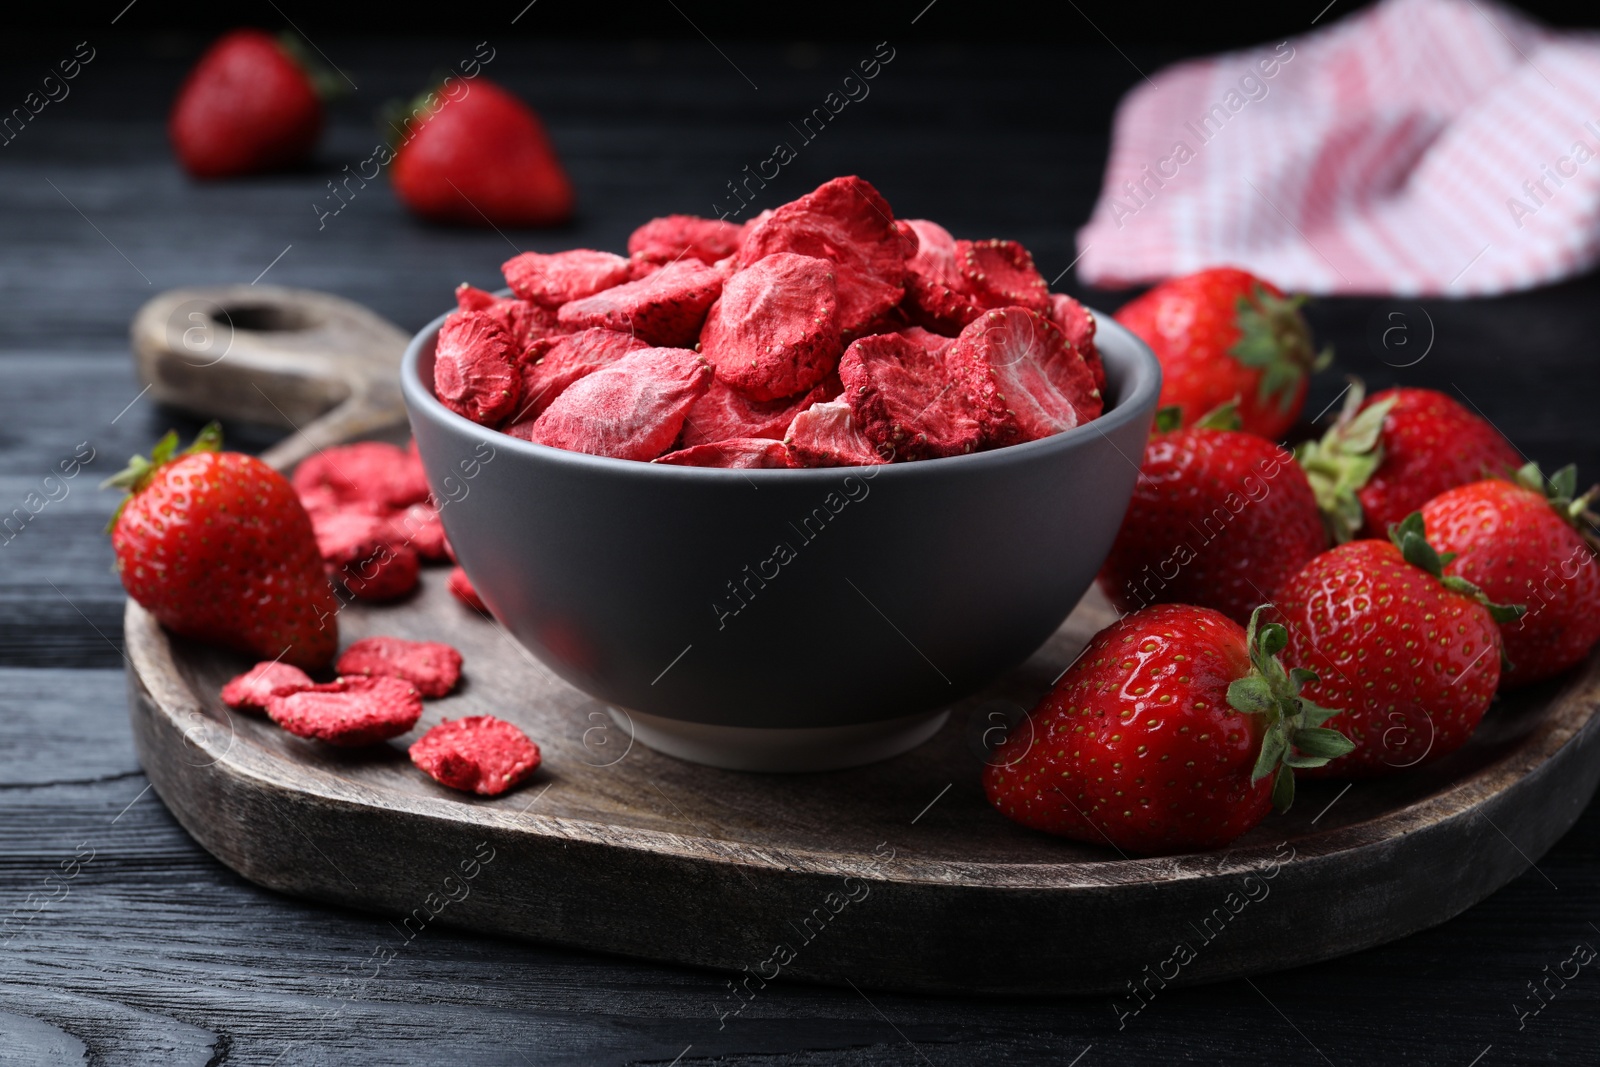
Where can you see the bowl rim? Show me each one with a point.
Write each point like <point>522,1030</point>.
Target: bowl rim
<point>1144,388</point>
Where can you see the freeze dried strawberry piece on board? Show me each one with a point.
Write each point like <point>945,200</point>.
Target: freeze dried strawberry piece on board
<point>261,683</point>
<point>725,413</point>
<point>474,372</point>
<point>848,222</point>
<point>775,330</point>
<point>357,549</point>
<point>633,409</point>
<point>549,366</point>
<point>349,712</point>
<point>524,320</point>
<point>431,666</point>
<point>673,237</point>
<point>462,589</point>
<point>905,402</point>
<point>368,472</point>
<point>420,527</point>
<point>826,435</point>
<point>739,452</point>
<point>666,308</point>
<point>555,279</point>
<point>478,754</point>
<point>1028,382</point>
<point>1077,325</point>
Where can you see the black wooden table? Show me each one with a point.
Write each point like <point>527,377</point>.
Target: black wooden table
<point>129,944</point>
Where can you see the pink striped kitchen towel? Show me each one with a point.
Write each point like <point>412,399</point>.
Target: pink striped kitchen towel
<point>1419,147</point>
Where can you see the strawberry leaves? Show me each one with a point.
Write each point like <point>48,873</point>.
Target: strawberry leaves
<point>1344,460</point>
<point>1274,339</point>
<point>1410,537</point>
<point>1294,735</point>
<point>137,474</point>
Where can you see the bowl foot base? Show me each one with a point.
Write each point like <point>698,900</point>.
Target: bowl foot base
<point>781,750</point>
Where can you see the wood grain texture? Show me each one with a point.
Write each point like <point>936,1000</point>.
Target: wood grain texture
<point>160,947</point>
<point>621,849</point>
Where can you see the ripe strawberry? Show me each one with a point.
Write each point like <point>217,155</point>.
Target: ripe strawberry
<point>1518,541</point>
<point>482,158</point>
<point>1223,333</point>
<point>248,105</point>
<point>1175,730</point>
<point>1219,519</point>
<point>217,546</point>
<point>1389,455</point>
<point>1412,655</point>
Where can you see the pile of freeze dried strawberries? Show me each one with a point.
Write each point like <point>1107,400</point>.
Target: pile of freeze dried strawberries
<point>823,333</point>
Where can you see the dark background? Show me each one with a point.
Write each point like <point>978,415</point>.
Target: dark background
<point>993,119</point>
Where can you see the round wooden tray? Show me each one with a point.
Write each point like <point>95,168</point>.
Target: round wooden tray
<point>896,875</point>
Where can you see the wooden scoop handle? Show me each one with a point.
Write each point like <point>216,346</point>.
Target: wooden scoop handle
<point>320,365</point>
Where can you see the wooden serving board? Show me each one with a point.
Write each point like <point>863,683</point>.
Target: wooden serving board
<point>896,875</point>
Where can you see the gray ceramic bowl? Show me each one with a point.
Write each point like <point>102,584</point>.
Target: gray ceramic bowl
<point>785,619</point>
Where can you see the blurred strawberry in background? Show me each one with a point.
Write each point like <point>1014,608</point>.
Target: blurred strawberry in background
<point>250,104</point>
<point>479,158</point>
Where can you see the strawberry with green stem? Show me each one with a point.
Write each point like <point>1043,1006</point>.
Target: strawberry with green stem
<point>1175,730</point>
<point>1410,653</point>
<point>1524,540</point>
<point>1221,333</point>
<point>1388,455</point>
<point>217,546</point>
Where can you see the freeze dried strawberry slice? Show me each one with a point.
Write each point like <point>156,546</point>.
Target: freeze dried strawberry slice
<point>665,308</point>
<point>936,292</point>
<point>524,320</point>
<point>553,280</point>
<point>420,527</point>
<point>904,400</point>
<point>357,548</point>
<point>775,330</point>
<point>934,343</point>
<point>725,413</point>
<point>479,754</point>
<point>825,435</point>
<point>640,268</point>
<point>676,236</point>
<point>736,452</point>
<point>431,666</point>
<point>633,409</point>
<point>261,683</point>
<point>474,373</point>
<point>848,222</point>
<point>1077,325</point>
<point>349,712</point>
<point>553,364</point>
<point>1027,381</point>
<point>462,589</point>
<point>383,475</point>
<point>1002,274</point>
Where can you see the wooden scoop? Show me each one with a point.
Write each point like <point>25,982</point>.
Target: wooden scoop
<point>318,364</point>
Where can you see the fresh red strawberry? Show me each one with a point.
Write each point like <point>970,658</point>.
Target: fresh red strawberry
<point>247,106</point>
<point>1410,654</point>
<point>1175,730</point>
<point>1388,456</point>
<point>217,546</point>
<point>1224,333</point>
<point>1519,542</point>
<point>480,159</point>
<point>1219,519</point>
